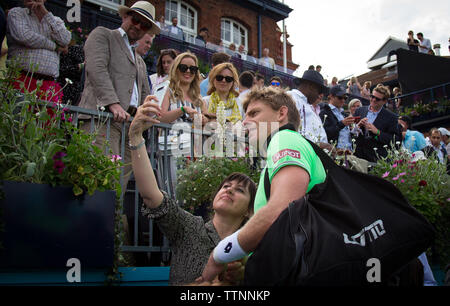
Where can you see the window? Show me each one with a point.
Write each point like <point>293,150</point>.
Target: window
<point>233,32</point>
<point>110,4</point>
<point>187,18</point>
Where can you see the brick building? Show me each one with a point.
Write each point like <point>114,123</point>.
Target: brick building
<point>252,23</point>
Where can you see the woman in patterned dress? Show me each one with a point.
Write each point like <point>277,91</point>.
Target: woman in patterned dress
<point>191,238</point>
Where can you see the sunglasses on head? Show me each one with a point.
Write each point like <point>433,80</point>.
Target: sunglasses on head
<point>228,79</point>
<point>376,98</point>
<point>135,20</point>
<point>275,83</point>
<point>183,68</point>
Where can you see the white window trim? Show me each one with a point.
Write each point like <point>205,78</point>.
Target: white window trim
<point>107,4</point>
<point>227,43</point>
<point>186,30</point>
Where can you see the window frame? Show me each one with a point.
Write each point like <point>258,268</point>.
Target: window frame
<point>240,26</point>
<point>189,33</point>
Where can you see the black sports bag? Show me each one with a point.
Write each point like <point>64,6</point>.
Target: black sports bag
<point>339,232</point>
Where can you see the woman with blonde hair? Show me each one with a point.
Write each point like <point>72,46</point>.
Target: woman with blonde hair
<point>353,105</point>
<point>223,84</point>
<point>181,103</point>
<point>183,100</point>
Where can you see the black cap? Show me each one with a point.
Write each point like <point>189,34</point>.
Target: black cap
<point>338,91</point>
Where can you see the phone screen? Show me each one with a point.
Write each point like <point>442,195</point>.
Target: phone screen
<point>160,91</point>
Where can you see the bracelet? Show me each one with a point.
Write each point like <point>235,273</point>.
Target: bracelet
<point>228,249</point>
<point>182,109</point>
<point>134,148</point>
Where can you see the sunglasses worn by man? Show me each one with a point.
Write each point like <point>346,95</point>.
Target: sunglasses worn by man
<point>183,68</point>
<point>376,98</point>
<point>276,83</point>
<point>135,20</point>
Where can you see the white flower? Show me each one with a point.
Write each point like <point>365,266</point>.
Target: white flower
<point>398,142</point>
<point>69,81</point>
<point>375,149</point>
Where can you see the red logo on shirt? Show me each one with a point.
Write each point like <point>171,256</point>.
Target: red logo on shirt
<point>284,153</point>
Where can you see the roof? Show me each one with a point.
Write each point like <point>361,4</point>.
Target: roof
<point>390,44</point>
<point>272,8</point>
<point>380,57</point>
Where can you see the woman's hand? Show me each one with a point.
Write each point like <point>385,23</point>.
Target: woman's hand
<point>146,116</point>
<point>189,111</point>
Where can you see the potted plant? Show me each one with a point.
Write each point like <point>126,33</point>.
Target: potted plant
<point>60,191</point>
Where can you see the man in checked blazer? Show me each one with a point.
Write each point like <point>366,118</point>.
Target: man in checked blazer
<point>378,127</point>
<point>116,76</point>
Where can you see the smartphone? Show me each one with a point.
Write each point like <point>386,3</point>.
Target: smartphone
<point>357,119</point>
<point>160,91</point>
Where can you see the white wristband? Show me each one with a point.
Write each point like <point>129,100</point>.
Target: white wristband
<point>228,249</point>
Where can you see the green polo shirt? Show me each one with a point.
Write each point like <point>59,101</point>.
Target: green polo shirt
<point>289,148</point>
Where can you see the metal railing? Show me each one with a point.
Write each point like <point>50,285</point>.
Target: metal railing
<point>160,159</point>
<point>427,96</point>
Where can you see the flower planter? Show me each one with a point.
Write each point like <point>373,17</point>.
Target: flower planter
<point>45,226</point>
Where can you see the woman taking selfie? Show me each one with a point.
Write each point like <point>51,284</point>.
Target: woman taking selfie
<point>191,239</point>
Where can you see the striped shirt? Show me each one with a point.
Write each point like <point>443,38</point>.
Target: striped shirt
<point>33,42</point>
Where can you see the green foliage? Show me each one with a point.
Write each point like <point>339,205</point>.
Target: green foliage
<point>198,180</point>
<point>438,106</point>
<point>425,184</point>
<point>40,144</point>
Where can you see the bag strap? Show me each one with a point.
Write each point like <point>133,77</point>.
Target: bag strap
<point>326,160</point>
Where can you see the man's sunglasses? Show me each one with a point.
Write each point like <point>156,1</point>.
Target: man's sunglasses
<point>228,79</point>
<point>276,83</point>
<point>376,98</point>
<point>145,26</point>
<point>183,68</point>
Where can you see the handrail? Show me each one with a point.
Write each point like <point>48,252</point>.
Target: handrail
<point>420,91</point>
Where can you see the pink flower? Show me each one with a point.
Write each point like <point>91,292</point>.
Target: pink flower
<point>395,178</point>
<point>394,166</point>
<point>59,166</point>
<point>402,174</point>
<point>402,181</point>
<point>386,175</point>
<point>116,158</point>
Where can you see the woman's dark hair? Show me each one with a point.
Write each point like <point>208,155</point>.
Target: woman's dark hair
<point>159,67</point>
<point>248,183</point>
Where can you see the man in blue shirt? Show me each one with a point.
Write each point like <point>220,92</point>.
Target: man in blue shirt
<point>334,122</point>
<point>413,141</point>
